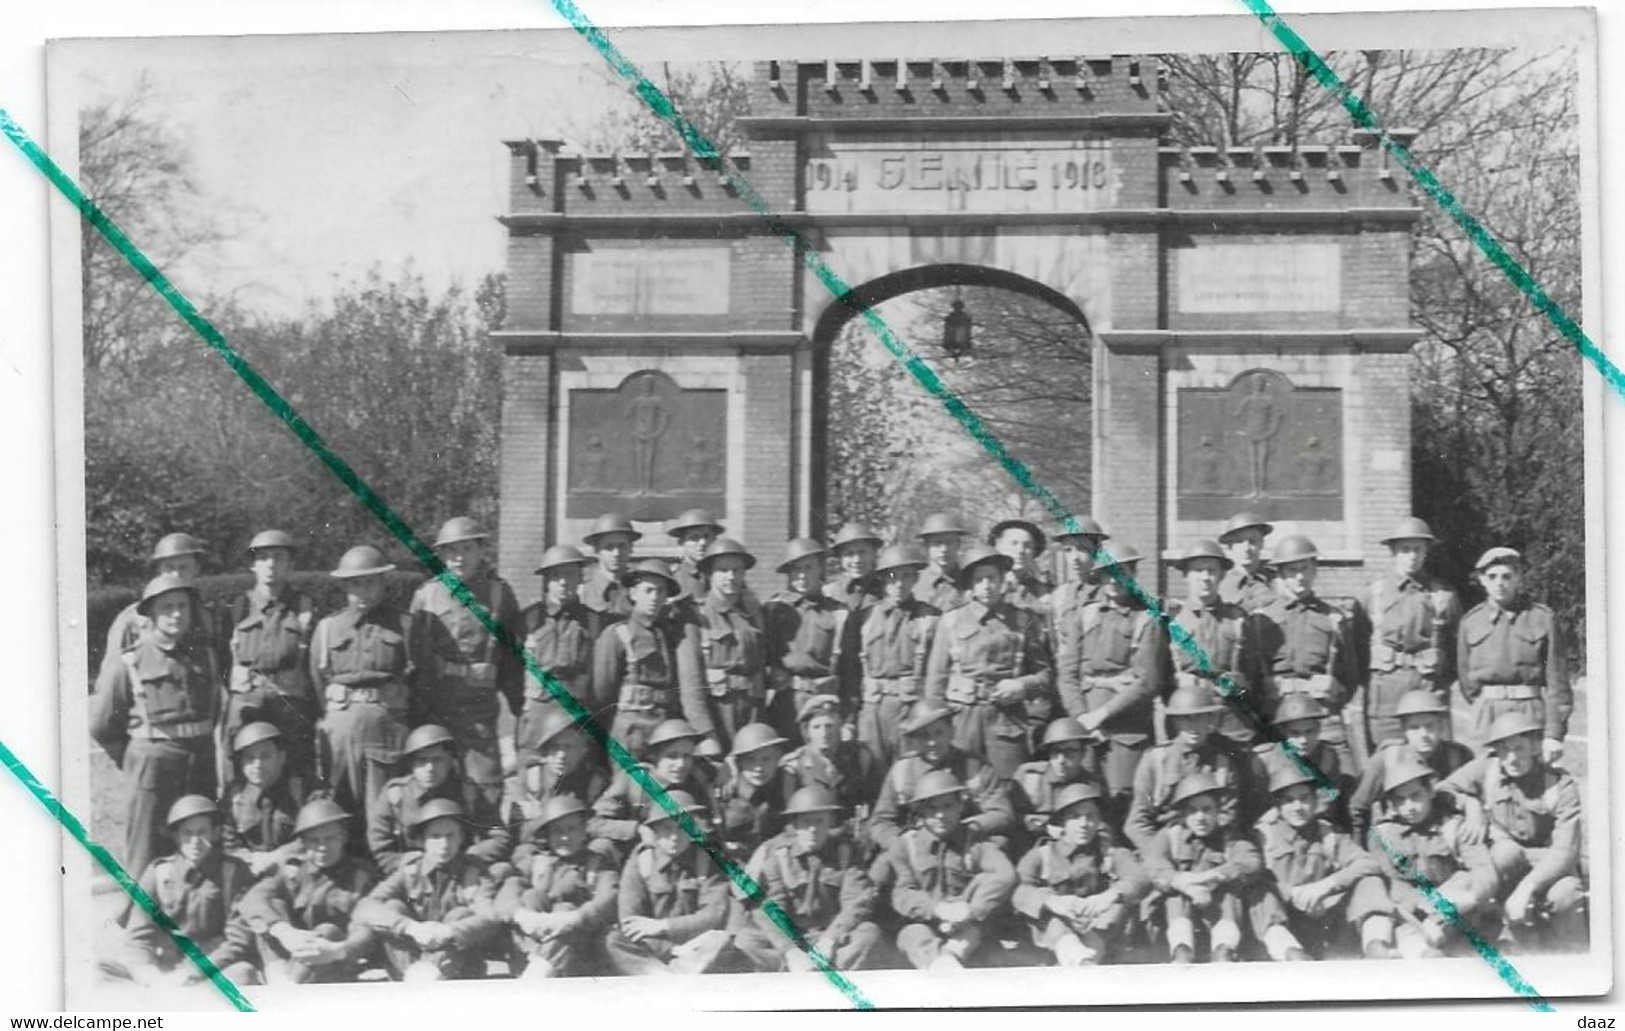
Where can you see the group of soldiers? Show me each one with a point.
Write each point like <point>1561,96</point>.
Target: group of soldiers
<point>923,754</point>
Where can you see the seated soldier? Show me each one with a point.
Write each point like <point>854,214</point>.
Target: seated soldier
<point>1070,755</point>
<point>262,802</point>
<point>1422,848</point>
<point>928,746</point>
<point>431,755</point>
<point>948,882</point>
<point>563,899</point>
<point>1424,721</point>
<point>1193,746</point>
<point>1325,880</point>
<point>301,914</point>
<point>436,912</point>
<point>669,758</point>
<point>197,886</point>
<point>820,884</point>
<point>1078,889</point>
<point>846,769</point>
<point>1533,811</point>
<point>673,901</point>
<point>556,764</point>
<point>1297,719</point>
<point>754,791</point>
<point>1209,877</point>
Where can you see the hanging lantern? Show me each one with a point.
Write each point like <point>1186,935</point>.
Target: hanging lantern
<point>956,331</point>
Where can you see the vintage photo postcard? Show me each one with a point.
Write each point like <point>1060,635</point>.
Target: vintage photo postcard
<point>1091,512</point>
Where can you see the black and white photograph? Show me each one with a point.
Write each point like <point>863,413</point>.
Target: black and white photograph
<point>940,514</point>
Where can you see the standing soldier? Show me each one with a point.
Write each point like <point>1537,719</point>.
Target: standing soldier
<point>804,632</point>
<point>855,548</point>
<point>603,591</point>
<point>732,644</point>
<point>1512,657</point>
<point>558,635</point>
<point>694,531</point>
<point>1112,663</point>
<point>1216,628</point>
<point>270,646</point>
<point>1300,644</point>
<point>1413,628</point>
<point>473,668</point>
<point>1078,543</point>
<point>1025,587</point>
<point>894,641</point>
<point>648,663</point>
<point>154,712</point>
<point>365,658</point>
<point>941,535</point>
<point>988,659</point>
<point>178,553</point>
<point>1250,583</point>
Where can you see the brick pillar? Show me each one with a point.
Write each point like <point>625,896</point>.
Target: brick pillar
<point>1128,479</point>
<point>770,463</point>
<point>526,470</point>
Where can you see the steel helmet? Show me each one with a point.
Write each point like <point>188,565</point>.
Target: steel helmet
<point>694,519</point>
<point>1082,526</point>
<point>941,523</point>
<point>1246,520</point>
<point>1125,556</point>
<point>856,533</point>
<point>557,808</point>
<point>1192,700</point>
<point>1194,785</point>
<point>253,734</point>
<point>672,730</point>
<point>174,545</point>
<point>753,737</point>
<point>458,529</point>
<point>362,560</point>
<point>1410,529</point>
<point>901,556</point>
<point>1402,772</point>
<point>936,784</point>
<point>981,554</point>
<point>164,583</point>
<point>812,799</point>
<point>319,813</point>
<point>798,549</point>
<point>923,715</point>
<point>608,523</point>
<point>1064,729</point>
<point>1299,706</point>
<point>188,806</point>
<point>1203,549</point>
<point>1287,774</point>
<point>1075,794</point>
<point>1420,702</point>
<point>272,539</point>
<point>1512,724</point>
<point>724,546</point>
<point>652,569</point>
<point>563,555</point>
<point>427,736</point>
<point>679,798</point>
<point>1295,548</point>
<point>434,809</point>
<point>554,722</point>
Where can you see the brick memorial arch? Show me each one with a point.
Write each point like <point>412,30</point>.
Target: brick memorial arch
<point>1248,308</point>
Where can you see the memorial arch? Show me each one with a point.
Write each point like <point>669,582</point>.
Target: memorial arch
<point>1247,309</point>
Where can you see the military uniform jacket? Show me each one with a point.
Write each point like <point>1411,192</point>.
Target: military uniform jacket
<point>822,892</point>
<point>561,642</point>
<point>460,885</point>
<point>1112,662</point>
<point>586,782</point>
<point>1160,772</point>
<point>1302,638</point>
<point>661,654</point>
<point>749,816</point>
<point>1248,591</point>
<point>1267,757</point>
<point>1033,790</point>
<point>270,637</point>
<point>261,820</point>
<point>688,577</point>
<point>605,598</point>
<point>939,588</point>
<point>804,639</point>
<point>154,690</point>
<point>458,639</point>
<point>687,892</point>
<point>1053,867</point>
<point>1030,592</point>
<point>976,646</point>
<point>930,870</point>
<point>305,896</point>
<point>1066,602</point>
<point>733,647</point>
<point>1435,850</point>
<point>1517,645</point>
<point>374,648</point>
<point>1408,632</point>
<point>989,807</point>
<point>850,772</point>
<point>200,900</point>
<point>623,805</point>
<point>130,626</point>
<point>402,797</point>
<point>587,883</point>
<point>1540,810</point>
<point>894,642</point>
<point>1175,850</point>
<point>1302,855</point>
<point>1218,630</point>
<point>857,593</point>
<point>1447,757</point>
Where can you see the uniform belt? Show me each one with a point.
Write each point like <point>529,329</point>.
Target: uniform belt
<point>1513,692</point>
<point>907,687</point>
<point>285,681</point>
<point>1320,682</point>
<point>644,697</point>
<point>1111,681</point>
<point>813,685</point>
<point>1385,658</point>
<point>963,690</point>
<point>187,731</point>
<point>475,674</point>
<point>722,683</point>
<point>391,695</point>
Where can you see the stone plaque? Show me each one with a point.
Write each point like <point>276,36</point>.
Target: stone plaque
<point>1246,278</point>
<point>651,280</point>
<point>648,449</point>
<point>988,175</point>
<point>1260,443</point>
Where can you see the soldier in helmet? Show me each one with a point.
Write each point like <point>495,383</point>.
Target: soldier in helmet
<point>563,899</point>
<point>893,643</point>
<point>988,660</point>
<point>301,915</point>
<point>855,549</point>
<point>1078,540</point>
<point>941,535</point>
<point>669,757</point>
<point>1069,755</point>
<point>1215,629</point>
<point>154,713</point>
<point>1078,889</point>
<point>1297,720</point>
<point>472,669</point>
<point>436,913</point>
<point>177,553</point>
<point>1512,656</point>
<point>1435,849</point>
<point>430,752</point>
<point>604,590</point>
<point>733,646</point>
<point>816,877</point>
<point>928,746</point>
<point>558,635</point>
<point>694,531</point>
<point>1249,582</point>
<point>1111,665</point>
<point>366,659</point>
<point>269,680</point>
<point>805,647</point>
<point>1300,644</point>
<point>753,791</point>
<point>196,885</point>
<point>848,770</point>
<point>1423,718</point>
<point>673,900</point>
<point>1193,746</point>
<point>948,882</point>
<point>556,764</point>
<point>1534,817</point>
<point>649,663</point>
<point>262,804</point>
<point>1413,616</point>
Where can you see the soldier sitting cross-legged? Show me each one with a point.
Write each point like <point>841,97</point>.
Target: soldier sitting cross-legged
<point>562,901</point>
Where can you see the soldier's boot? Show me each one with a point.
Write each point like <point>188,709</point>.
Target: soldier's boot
<point>1410,944</point>
<point>1183,954</point>
<point>1181,938</point>
<point>1079,950</point>
<point>538,969</point>
<point>1225,940</point>
<point>1282,945</point>
<point>1377,936</point>
<point>696,955</point>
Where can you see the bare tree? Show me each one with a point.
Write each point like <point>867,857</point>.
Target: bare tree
<point>713,96</point>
